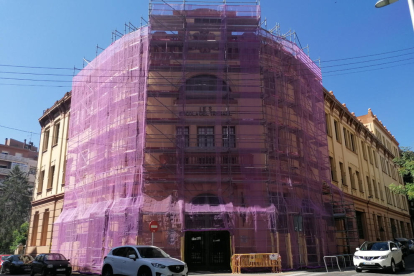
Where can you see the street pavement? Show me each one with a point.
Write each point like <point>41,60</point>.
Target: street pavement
<point>349,271</point>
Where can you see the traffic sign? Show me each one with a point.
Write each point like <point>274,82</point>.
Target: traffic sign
<point>153,226</point>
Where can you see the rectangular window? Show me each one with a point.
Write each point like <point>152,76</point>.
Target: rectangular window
<point>229,137</point>
<point>346,138</point>
<point>56,134</point>
<point>375,158</point>
<point>349,139</point>
<point>46,140</point>
<point>370,156</point>
<point>351,176</point>
<point>33,238</point>
<point>375,188</point>
<point>333,169</point>
<point>343,173</point>
<point>51,177</point>
<point>337,132</point>
<point>45,226</point>
<point>380,191</point>
<point>205,137</point>
<point>183,137</point>
<point>360,185</point>
<point>40,181</point>
<point>402,228</point>
<point>328,124</point>
<point>369,186</point>
<point>364,150</point>
<point>360,224</point>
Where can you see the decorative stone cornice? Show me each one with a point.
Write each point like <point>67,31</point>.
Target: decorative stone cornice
<point>62,106</point>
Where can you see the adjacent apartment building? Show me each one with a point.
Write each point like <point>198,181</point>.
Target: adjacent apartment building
<point>50,179</point>
<point>361,153</point>
<point>15,153</point>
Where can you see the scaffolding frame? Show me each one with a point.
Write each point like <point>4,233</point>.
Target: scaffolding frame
<point>203,121</point>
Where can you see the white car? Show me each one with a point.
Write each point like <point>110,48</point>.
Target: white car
<point>139,260</point>
<point>382,255</point>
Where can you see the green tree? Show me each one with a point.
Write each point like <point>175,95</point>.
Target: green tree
<point>15,196</point>
<point>20,236</point>
<point>406,164</point>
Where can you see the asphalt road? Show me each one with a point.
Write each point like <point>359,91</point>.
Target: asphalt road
<point>319,272</point>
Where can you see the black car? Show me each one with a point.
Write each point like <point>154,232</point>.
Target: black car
<point>17,264</point>
<point>51,263</point>
<point>405,247</point>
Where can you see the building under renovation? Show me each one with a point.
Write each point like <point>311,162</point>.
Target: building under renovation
<point>210,125</point>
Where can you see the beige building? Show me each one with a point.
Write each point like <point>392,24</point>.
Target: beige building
<point>361,151</point>
<point>50,180</point>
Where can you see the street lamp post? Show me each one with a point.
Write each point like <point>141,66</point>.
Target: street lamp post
<point>383,3</point>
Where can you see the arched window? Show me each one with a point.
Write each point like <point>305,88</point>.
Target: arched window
<point>205,83</point>
<point>203,199</point>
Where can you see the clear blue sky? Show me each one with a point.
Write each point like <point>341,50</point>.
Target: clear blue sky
<point>60,33</point>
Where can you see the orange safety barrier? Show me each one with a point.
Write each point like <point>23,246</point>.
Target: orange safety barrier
<point>239,261</point>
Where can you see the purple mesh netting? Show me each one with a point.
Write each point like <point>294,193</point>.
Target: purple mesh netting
<point>204,122</point>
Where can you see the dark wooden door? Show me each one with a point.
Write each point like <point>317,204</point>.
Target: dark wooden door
<point>208,250</point>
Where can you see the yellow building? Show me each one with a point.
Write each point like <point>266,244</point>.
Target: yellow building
<point>49,188</point>
<point>361,152</point>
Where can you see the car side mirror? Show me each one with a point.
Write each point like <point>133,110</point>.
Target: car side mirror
<point>68,260</point>
<point>357,249</point>
<point>394,249</point>
<point>132,256</point>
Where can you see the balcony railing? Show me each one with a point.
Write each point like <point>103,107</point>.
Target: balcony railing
<point>4,171</point>
<point>12,158</point>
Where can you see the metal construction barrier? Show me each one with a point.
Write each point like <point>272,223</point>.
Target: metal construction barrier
<point>337,257</point>
<point>272,260</point>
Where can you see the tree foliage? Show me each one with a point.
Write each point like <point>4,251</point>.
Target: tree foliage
<point>15,196</point>
<point>20,236</point>
<point>406,164</point>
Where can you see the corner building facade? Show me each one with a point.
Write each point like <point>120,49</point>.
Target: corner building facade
<point>208,124</point>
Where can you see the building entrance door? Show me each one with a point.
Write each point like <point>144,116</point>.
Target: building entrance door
<point>207,250</point>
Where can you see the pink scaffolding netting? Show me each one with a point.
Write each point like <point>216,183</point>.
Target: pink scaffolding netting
<point>204,122</point>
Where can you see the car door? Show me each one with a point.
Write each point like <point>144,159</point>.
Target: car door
<point>118,258</point>
<point>397,255</point>
<point>130,266</point>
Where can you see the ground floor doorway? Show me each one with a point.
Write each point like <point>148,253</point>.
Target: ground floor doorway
<point>207,250</point>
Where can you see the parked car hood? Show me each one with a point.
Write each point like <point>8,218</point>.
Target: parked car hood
<point>372,253</point>
<point>164,261</point>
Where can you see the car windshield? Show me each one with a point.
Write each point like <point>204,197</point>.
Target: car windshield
<point>15,258</point>
<point>151,252</point>
<point>54,257</point>
<point>375,246</point>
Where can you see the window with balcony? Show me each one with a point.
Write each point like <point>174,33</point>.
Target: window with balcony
<point>375,189</point>
<point>328,124</point>
<point>360,185</point>
<point>183,137</point>
<point>229,137</point>
<point>369,187</point>
<point>364,150</point>
<point>205,137</point>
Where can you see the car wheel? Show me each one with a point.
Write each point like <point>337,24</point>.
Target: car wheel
<point>44,273</point>
<point>145,271</point>
<point>358,269</point>
<point>107,271</point>
<point>392,268</point>
<point>402,265</point>
<point>32,273</point>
